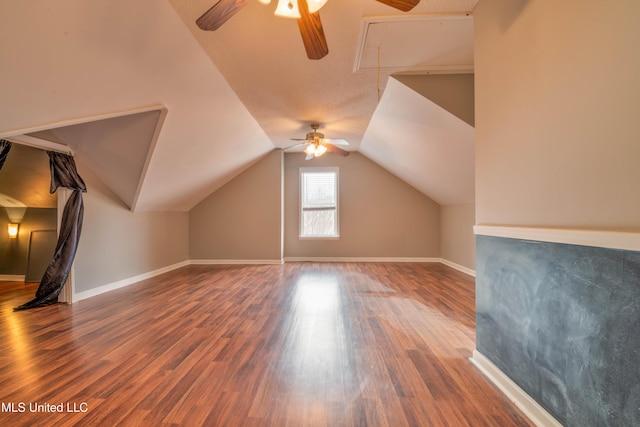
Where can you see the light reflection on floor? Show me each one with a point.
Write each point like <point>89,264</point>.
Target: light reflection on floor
<point>19,347</point>
<point>320,351</point>
<point>315,343</point>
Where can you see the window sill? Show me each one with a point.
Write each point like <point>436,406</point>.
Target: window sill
<point>318,237</point>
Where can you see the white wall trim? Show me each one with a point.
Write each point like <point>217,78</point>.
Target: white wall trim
<point>359,259</point>
<point>152,146</point>
<point>79,120</point>
<point>519,397</point>
<point>596,238</point>
<point>458,267</point>
<point>41,144</point>
<point>131,280</point>
<point>12,277</point>
<point>234,261</point>
<point>446,262</point>
<point>125,282</point>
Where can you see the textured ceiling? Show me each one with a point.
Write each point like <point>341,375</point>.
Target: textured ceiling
<point>263,59</point>
<point>231,95</point>
<point>383,44</point>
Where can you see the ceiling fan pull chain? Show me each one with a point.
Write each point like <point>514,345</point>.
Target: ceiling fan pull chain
<point>378,73</point>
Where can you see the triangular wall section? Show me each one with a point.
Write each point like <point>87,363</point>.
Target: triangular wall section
<point>116,149</point>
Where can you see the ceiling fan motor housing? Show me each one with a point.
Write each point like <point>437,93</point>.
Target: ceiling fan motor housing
<point>313,135</point>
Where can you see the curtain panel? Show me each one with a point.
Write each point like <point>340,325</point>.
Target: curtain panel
<point>63,174</point>
<point>5,146</point>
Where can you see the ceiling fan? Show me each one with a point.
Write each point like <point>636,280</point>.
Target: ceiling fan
<point>305,11</point>
<point>317,144</point>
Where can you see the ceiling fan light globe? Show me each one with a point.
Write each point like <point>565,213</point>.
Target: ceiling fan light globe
<point>320,150</point>
<point>315,5</point>
<point>310,150</point>
<point>287,9</point>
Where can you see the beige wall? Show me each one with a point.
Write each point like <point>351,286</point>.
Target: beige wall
<point>557,108</point>
<point>243,219</point>
<point>14,252</point>
<point>453,92</point>
<point>458,243</point>
<point>380,215</point>
<point>117,244</point>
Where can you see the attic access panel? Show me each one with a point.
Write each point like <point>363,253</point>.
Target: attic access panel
<point>416,44</point>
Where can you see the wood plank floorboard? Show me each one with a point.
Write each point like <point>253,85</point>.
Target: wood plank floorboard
<point>299,344</point>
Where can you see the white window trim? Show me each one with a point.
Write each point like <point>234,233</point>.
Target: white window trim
<point>334,169</point>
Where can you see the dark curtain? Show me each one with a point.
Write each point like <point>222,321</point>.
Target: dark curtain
<point>5,146</point>
<point>63,174</point>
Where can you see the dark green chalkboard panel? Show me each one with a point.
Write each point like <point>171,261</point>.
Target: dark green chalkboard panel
<point>563,322</point>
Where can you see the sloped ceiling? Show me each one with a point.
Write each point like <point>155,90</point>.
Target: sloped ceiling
<point>263,59</point>
<point>72,61</point>
<point>230,96</point>
<point>422,143</point>
<point>117,149</point>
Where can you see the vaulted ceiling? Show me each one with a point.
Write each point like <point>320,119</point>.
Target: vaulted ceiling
<point>166,113</point>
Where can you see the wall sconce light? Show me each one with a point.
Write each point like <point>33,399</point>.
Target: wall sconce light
<point>13,230</point>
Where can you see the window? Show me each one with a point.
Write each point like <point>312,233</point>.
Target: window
<point>319,202</point>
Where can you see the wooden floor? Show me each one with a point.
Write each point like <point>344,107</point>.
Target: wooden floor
<point>300,344</point>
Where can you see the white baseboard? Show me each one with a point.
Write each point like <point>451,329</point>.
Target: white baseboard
<point>458,267</point>
<point>125,282</point>
<point>234,261</point>
<point>446,262</point>
<point>359,259</point>
<point>522,400</point>
<point>12,277</point>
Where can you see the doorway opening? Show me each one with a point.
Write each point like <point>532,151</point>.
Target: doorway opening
<point>26,202</point>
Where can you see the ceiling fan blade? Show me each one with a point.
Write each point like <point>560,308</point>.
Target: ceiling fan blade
<point>312,33</point>
<point>294,145</point>
<point>403,5</point>
<point>337,150</point>
<point>336,141</point>
<point>220,13</point>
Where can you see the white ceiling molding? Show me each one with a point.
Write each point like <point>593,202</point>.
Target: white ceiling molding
<point>416,44</point>
<point>43,144</point>
<point>78,120</point>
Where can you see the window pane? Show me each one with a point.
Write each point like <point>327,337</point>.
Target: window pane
<point>319,202</point>
<point>320,222</point>
<point>319,189</point>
